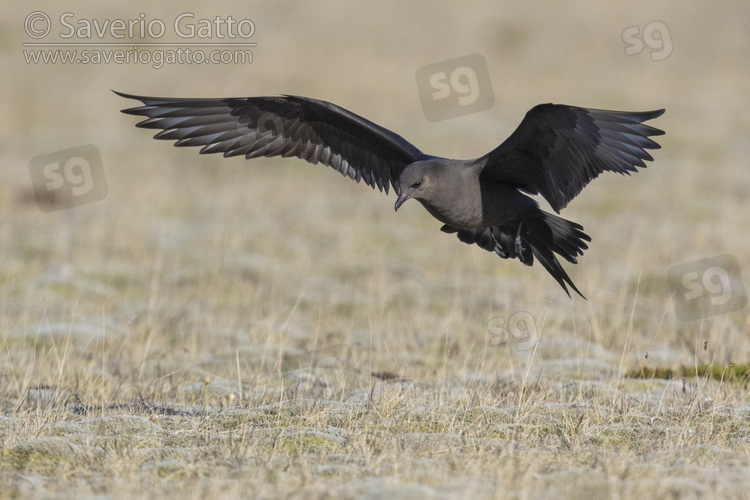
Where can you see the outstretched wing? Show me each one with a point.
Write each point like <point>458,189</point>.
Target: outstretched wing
<point>313,130</point>
<point>558,149</point>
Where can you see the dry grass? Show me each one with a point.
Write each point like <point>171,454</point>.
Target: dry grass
<point>212,328</point>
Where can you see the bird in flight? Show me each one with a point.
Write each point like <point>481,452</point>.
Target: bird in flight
<point>555,152</point>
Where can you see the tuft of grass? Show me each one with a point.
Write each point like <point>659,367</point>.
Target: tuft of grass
<point>735,374</point>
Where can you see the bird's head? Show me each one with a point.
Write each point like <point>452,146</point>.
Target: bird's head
<point>416,181</point>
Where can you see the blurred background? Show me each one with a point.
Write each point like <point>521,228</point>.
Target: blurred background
<point>237,243</point>
<point>168,284</point>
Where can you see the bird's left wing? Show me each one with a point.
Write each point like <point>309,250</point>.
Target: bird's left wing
<point>558,149</point>
<point>313,130</point>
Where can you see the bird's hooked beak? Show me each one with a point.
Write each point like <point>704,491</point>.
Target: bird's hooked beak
<point>400,201</point>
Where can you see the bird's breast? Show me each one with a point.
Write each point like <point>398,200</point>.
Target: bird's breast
<point>462,214</point>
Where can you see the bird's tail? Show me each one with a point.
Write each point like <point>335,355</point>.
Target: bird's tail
<point>542,236</point>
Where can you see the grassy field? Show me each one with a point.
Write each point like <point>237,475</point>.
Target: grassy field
<point>222,328</point>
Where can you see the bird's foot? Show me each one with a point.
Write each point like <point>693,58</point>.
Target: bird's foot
<point>520,248</point>
<point>497,246</point>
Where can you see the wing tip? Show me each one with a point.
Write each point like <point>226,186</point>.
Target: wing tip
<point>138,110</point>
<point>130,96</point>
<point>657,113</point>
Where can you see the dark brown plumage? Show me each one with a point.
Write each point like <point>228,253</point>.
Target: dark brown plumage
<point>555,152</point>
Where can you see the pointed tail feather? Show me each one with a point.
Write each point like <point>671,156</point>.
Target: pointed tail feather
<point>549,235</point>
<point>539,236</point>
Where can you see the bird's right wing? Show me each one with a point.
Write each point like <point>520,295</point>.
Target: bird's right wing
<point>313,130</point>
<point>558,149</point>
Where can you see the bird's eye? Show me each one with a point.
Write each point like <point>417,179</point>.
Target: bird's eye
<point>416,184</point>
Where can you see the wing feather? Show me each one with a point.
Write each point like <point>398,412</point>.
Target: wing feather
<point>557,150</point>
<point>313,130</point>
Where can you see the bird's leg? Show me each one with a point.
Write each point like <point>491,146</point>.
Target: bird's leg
<point>496,245</point>
<point>519,243</point>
